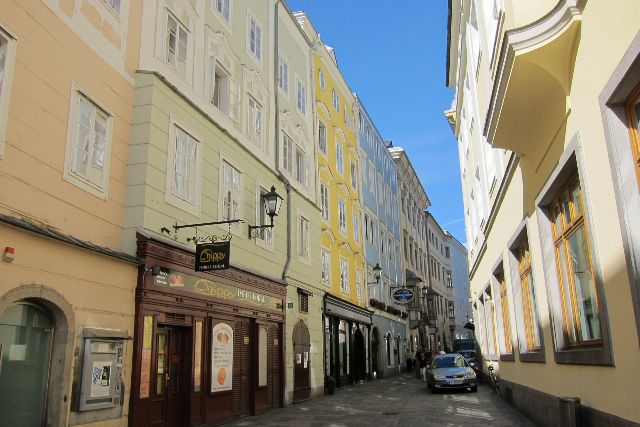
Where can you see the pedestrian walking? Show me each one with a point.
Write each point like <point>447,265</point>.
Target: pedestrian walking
<point>409,363</point>
<point>423,366</point>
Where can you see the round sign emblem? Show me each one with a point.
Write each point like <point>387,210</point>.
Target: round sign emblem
<point>403,296</point>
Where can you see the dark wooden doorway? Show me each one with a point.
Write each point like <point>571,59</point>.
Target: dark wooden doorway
<point>375,343</point>
<point>242,368</point>
<point>359,360</point>
<point>172,373</point>
<point>301,362</point>
<point>268,388</point>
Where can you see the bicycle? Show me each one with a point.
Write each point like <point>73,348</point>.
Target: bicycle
<point>492,380</point>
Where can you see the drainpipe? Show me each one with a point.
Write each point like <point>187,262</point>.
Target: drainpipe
<point>281,176</point>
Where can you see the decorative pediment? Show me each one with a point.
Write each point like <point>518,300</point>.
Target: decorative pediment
<point>342,188</point>
<point>356,204</point>
<point>325,172</point>
<point>346,248</point>
<point>328,233</point>
<point>290,127</point>
<point>354,155</point>
<point>218,47</point>
<point>340,135</point>
<point>184,11</point>
<point>253,83</point>
<point>322,110</point>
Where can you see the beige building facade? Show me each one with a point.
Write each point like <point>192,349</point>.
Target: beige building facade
<point>67,289</point>
<point>550,183</point>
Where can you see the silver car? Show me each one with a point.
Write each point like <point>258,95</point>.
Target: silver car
<point>450,371</point>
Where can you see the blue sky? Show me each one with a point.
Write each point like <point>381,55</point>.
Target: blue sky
<point>393,55</point>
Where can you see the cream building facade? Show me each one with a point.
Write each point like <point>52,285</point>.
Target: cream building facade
<point>67,291</point>
<point>545,114</point>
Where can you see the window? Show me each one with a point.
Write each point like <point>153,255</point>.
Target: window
<point>529,304</point>
<point>382,242</point>
<point>303,237</point>
<point>326,267</point>
<point>303,302</point>
<point>231,192</point>
<point>301,92</point>
<point>263,357</point>
<point>575,274</point>
<point>324,201</point>
<point>633,116</point>
<point>255,38</point>
<point>447,252</point>
<point>254,126</point>
<point>283,75</point>
<point>321,78</point>
<point>490,325</point>
<point>356,227</point>
<point>504,306</point>
<point>87,154</point>
<point>7,58</point>
<point>359,284</point>
<point>339,158</point>
<point>301,166</point>
<point>449,281</point>
<point>336,101</point>
<point>115,5</point>
<point>344,276</point>
<point>287,152</point>
<point>342,216</point>
<point>222,7</point>
<point>322,138</point>
<point>368,228</point>
<point>176,47</point>
<point>354,176</point>
<point>266,234</point>
<point>220,87</point>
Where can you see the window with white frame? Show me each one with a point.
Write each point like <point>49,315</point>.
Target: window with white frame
<point>356,226</point>
<point>222,7</point>
<point>324,201</point>
<point>303,237</point>
<point>7,56</point>
<point>254,120</point>
<point>336,101</point>
<point>220,86</point>
<point>177,40</point>
<point>283,75</point>
<point>114,4</point>
<point>287,152</point>
<point>88,149</point>
<point>301,92</point>
<point>344,275</point>
<point>339,158</point>
<point>254,36</point>
<point>326,267</point>
<point>301,166</point>
<point>322,138</point>
<point>183,184</point>
<point>372,178</point>
<point>342,216</point>
<point>359,284</point>
<point>266,234</point>
<point>321,78</point>
<point>231,192</point>
<point>354,176</point>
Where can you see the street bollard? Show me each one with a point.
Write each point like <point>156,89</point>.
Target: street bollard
<point>569,411</point>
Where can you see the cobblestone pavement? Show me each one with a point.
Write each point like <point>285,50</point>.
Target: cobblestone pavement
<point>398,401</point>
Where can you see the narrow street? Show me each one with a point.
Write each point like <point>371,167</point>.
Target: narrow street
<point>400,401</point>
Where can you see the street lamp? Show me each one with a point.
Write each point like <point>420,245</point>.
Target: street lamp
<point>377,274</point>
<point>272,207</point>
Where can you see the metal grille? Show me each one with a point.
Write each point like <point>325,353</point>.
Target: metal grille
<point>304,303</point>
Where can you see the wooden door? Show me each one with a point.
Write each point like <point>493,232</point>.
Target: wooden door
<point>172,373</point>
<point>302,361</point>
<point>274,396</point>
<point>242,368</point>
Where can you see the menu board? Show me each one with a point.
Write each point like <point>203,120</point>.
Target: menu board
<point>222,358</point>
<point>145,363</point>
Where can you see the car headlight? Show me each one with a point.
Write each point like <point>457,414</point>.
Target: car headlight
<point>438,377</point>
<point>470,375</point>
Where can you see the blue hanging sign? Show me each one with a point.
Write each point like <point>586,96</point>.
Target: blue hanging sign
<point>403,296</point>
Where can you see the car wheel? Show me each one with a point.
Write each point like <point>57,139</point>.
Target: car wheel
<point>434,390</point>
<point>474,388</point>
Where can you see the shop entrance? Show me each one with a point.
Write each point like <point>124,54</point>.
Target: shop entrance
<point>374,352</point>
<point>172,371</point>
<point>26,333</point>
<point>358,356</point>
<point>301,373</point>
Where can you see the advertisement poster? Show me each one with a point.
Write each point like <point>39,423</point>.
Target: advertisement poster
<point>222,358</point>
<point>145,363</point>
<point>100,379</point>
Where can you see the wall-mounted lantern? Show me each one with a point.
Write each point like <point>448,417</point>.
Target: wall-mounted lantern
<point>273,201</point>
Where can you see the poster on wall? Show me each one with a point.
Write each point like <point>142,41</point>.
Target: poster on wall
<point>222,358</point>
<point>145,363</point>
<point>101,379</point>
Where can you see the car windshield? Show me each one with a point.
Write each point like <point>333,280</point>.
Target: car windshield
<point>450,362</point>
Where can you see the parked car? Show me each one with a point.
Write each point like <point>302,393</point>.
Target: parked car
<point>470,356</point>
<point>450,371</point>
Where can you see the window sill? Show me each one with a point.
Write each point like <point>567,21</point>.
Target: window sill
<point>509,357</point>
<point>585,356</point>
<point>533,357</point>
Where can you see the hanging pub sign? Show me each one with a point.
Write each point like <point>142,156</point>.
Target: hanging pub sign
<point>212,256</point>
<point>403,296</point>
